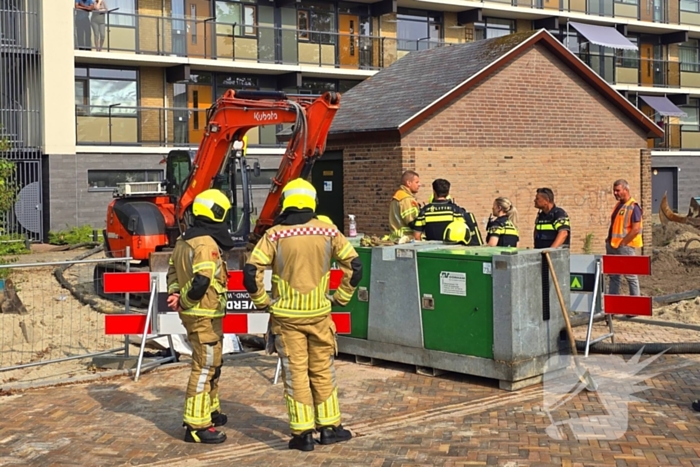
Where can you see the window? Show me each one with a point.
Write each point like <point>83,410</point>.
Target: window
<point>690,5</point>
<point>236,18</point>
<point>691,122</point>
<point>318,20</point>
<point>494,27</point>
<point>628,58</point>
<point>104,91</point>
<point>125,15</point>
<point>689,56</point>
<point>106,180</point>
<point>418,29</point>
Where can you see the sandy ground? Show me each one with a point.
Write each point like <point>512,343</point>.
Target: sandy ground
<point>56,324</point>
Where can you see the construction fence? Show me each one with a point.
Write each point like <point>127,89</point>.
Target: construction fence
<point>51,312</point>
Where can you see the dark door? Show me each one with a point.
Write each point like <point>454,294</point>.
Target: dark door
<point>327,178</point>
<point>663,180</point>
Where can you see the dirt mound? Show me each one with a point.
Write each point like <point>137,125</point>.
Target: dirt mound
<point>666,235</point>
<point>687,311</point>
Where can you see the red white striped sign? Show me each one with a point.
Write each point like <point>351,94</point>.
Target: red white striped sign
<point>234,323</point>
<point>169,323</point>
<point>626,304</point>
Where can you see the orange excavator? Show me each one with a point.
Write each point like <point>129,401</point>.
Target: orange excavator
<point>148,217</point>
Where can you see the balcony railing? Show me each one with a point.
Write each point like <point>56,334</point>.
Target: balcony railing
<point>19,28</point>
<point>678,136</point>
<point>121,125</point>
<point>201,38</point>
<point>644,72</point>
<point>658,11</point>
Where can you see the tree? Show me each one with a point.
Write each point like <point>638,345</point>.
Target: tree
<point>8,192</point>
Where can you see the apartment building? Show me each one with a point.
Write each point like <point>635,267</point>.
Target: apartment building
<point>116,91</point>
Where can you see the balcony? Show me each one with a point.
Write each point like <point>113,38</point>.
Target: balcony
<point>644,72</point>
<point>658,11</point>
<point>209,39</point>
<point>106,125</point>
<point>677,137</point>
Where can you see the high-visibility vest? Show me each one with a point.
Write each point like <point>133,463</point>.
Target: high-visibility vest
<point>622,224</point>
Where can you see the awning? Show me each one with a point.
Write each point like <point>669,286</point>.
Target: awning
<point>603,35</point>
<point>663,106</point>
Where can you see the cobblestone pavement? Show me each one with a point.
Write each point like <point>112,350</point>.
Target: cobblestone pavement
<point>399,418</point>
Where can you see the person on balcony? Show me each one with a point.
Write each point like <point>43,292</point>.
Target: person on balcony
<point>97,21</point>
<point>82,23</point>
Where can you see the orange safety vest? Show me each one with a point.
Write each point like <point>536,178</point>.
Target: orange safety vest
<point>622,224</point>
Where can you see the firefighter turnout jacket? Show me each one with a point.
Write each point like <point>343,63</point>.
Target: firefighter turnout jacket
<point>198,273</point>
<point>403,210</point>
<point>548,225</point>
<point>434,218</point>
<point>300,256</point>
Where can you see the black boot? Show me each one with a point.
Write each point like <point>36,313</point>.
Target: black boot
<point>204,435</point>
<point>334,434</point>
<point>303,442</point>
<point>696,405</point>
<point>218,419</point>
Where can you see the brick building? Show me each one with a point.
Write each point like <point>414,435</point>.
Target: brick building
<point>498,117</point>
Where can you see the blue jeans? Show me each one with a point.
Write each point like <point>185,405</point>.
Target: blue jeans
<point>616,280</point>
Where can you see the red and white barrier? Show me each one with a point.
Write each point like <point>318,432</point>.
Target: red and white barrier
<point>626,304</point>
<point>168,323</point>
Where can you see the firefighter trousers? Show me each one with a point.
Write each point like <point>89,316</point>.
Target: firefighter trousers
<point>202,395</point>
<point>307,348</point>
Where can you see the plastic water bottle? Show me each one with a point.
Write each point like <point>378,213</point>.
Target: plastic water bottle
<point>352,230</point>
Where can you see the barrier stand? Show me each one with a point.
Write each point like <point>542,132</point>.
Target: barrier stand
<point>586,287</point>
<point>136,282</point>
<point>619,304</point>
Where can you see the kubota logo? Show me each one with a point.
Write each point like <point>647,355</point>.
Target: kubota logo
<point>264,116</point>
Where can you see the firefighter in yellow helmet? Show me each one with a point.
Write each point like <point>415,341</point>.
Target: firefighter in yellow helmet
<point>299,248</point>
<point>197,280</point>
<point>457,232</point>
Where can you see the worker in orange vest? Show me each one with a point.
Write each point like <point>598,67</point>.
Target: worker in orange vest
<point>625,234</point>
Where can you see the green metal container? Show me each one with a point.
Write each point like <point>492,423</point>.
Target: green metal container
<point>359,304</point>
<point>456,291</point>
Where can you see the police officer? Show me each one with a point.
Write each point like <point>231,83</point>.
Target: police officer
<point>197,280</point>
<point>403,207</point>
<point>502,228</point>
<point>434,217</point>
<point>552,226</point>
<point>299,248</point>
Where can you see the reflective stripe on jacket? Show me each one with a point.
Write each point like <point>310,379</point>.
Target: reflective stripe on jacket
<point>199,255</point>
<point>300,257</point>
<point>403,210</point>
<point>623,224</point>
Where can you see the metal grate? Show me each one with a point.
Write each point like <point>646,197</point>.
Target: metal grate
<point>20,112</point>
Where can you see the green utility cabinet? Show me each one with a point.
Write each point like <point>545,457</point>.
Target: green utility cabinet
<point>456,290</point>
<point>358,307</point>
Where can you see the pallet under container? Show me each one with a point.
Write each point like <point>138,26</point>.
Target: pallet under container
<point>484,311</point>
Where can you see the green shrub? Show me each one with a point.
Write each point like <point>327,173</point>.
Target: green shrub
<point>72,236</point>
<point>588,244</point>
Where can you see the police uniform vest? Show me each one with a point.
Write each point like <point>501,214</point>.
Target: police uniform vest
<point>504,229</point>
<point>622,223</point>
<point>434,218</point>
<point>547,227</point>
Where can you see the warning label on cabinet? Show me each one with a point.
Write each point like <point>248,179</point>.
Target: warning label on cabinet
<point>453,283</point>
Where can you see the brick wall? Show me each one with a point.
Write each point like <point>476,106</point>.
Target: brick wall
<point>645,199</point>
<point>151,95</point>
<point>371,174</point>
<point>534,123</point>
<point>155,30</point>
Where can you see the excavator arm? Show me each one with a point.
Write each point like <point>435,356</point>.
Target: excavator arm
<point>236,112</point>
<point>667,215</point>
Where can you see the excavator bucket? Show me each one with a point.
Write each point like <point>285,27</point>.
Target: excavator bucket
<point>158,261</point>
<point>667,215</point>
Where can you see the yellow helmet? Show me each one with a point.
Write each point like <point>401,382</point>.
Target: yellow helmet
<point>457,232</point>
<point>212,204</point>
<point>299,194</point>
<point>325,219</point>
